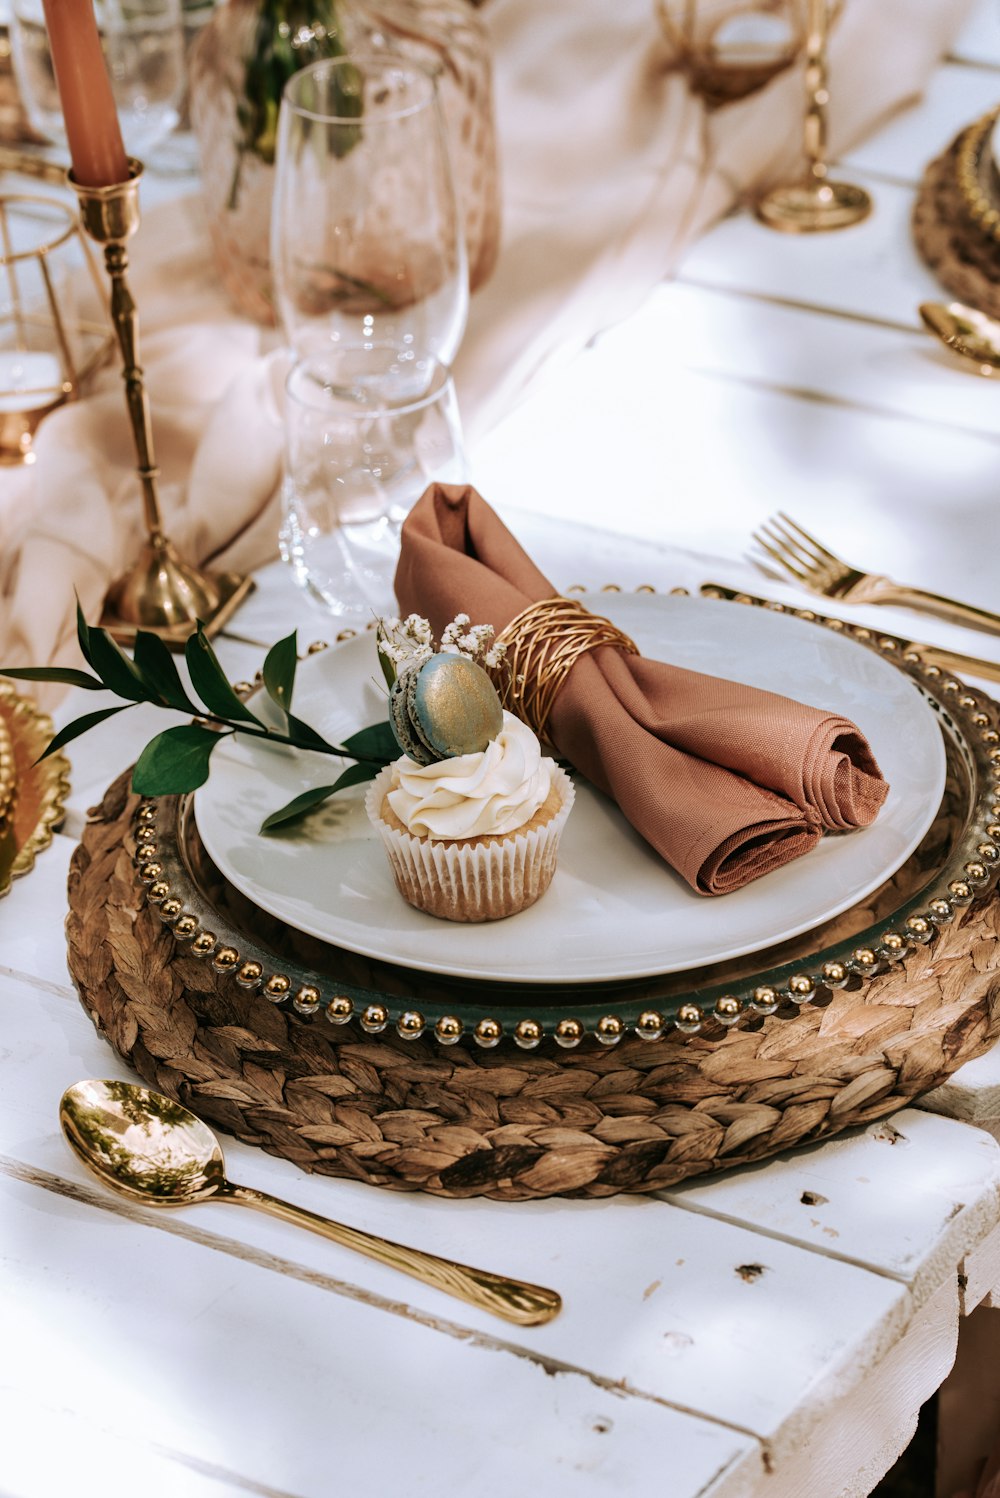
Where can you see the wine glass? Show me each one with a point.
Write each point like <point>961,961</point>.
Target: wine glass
<point>143,45</point>
<point>355,463</point>
<point>368,254</point>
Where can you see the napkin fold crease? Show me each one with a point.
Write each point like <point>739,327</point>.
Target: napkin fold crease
<point>727,782</point>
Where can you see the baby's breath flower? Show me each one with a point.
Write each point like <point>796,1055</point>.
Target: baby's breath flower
<point>409,642</point>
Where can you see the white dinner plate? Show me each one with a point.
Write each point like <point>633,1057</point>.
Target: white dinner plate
<point>614,909</point>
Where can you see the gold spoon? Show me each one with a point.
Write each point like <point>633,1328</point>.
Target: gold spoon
<point>967,332</point>
<point>153,1150</point>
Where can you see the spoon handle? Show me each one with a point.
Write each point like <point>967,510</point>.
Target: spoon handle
<point>514,1300</point>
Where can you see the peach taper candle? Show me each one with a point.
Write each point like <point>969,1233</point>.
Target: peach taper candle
<point>92,128</point>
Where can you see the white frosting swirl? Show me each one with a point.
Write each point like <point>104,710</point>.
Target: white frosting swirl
<point>474,795</point>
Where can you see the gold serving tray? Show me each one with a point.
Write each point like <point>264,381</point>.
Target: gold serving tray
<point>956,863</point>
<point>40,788</point>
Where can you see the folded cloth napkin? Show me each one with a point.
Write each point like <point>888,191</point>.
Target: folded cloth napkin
<point>727,782</point>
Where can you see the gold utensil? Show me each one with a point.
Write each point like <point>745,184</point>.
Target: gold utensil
<point>965,331</point>
<point>810,563</point>
<point>153,1150</point>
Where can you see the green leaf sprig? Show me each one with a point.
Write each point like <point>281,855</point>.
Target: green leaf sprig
<point>177,760</point>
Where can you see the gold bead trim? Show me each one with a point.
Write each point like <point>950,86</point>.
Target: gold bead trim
<point>650,1025</point>
<point>568,1033</point>
<point>543,644</point>
<point>610,1029</point>
<point>488,1033</point>
<point>801,988</point>
<point>307,999</point>
<point>527,1034</point>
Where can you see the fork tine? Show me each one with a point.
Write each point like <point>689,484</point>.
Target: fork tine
<point>790,542</point>
<point>817,546</point>
<point>791,546</point>
<point>782,557</point>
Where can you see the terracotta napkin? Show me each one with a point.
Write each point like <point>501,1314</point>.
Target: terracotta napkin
<point>727,782</point>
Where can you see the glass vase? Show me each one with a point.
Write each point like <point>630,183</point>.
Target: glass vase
<point>229,108</point>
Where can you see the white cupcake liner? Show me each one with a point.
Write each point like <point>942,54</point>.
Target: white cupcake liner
<point>472,881</point>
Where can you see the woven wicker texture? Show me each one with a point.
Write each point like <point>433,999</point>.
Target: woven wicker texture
<point>508,1124</point>
<point>964,259</point>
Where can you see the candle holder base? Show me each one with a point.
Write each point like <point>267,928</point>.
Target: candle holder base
<point>165,595</point>
<point>813,207</point>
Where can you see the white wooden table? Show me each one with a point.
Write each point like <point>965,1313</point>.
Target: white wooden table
<point>772,1331</point>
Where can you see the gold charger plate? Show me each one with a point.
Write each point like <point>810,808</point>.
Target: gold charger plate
<point>41,788</point>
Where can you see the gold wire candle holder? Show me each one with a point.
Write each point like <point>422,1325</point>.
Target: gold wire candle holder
<point>47,346</point>
<point>814,204</point>
<point>161,592</point>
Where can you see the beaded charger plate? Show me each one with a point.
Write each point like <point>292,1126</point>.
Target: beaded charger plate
<point>350,1066</point>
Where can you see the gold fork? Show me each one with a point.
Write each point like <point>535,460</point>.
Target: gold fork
<point>816,568</point>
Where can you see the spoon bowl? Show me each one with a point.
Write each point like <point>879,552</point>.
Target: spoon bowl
<point>151,1149</point>
<point>142,1144</point>
<point>971,334</point>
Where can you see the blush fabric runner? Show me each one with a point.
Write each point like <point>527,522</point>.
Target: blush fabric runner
<point>611,167</point>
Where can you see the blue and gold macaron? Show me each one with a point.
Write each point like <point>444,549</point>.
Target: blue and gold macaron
<point>444,708</point>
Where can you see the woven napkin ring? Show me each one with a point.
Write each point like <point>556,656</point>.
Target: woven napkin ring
<point>543,644</point>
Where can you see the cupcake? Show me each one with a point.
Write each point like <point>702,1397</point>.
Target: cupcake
<point>471,814</point>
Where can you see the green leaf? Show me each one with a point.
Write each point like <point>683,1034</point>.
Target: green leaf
<point>279,672</point>
<point>175,761</point>
<point>375,743</point>
<point>308,800</point>
<point>115,669</point>
<point>83,634</point>
<point>209,681</point>
<point>80,725</point>
<point>65,674</point>
<point>306,737</point>
<point>156,666</point>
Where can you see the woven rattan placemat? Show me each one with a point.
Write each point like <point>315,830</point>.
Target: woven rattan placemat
<point>962,255</point>
<point>504,1123</point>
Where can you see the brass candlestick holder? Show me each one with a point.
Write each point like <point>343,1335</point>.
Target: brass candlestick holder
<point>161,592</point>
<point>815,204</point>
